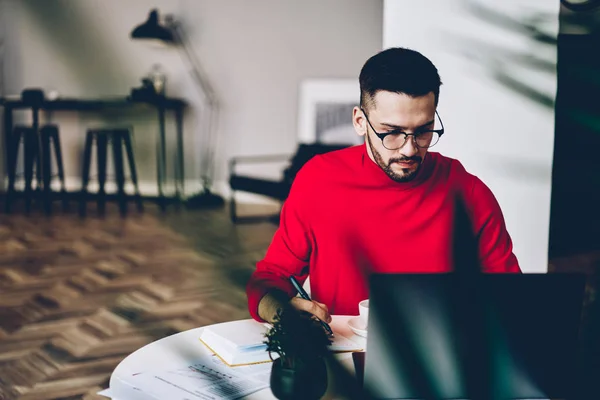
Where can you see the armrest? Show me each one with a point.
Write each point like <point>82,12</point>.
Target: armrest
<point>256,159</point>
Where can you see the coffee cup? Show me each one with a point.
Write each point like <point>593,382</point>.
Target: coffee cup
<point>363,310</point>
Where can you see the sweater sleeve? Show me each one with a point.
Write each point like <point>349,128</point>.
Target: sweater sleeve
<point>291,246</point>
<point>493,240</point>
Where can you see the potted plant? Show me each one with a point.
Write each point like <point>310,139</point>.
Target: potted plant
<point>301,343</point>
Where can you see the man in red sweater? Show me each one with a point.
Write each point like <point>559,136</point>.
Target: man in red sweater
<point>388,206</point>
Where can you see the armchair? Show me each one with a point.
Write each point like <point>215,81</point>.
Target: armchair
<point>275,189</point>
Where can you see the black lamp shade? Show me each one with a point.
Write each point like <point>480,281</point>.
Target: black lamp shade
<point>151,29</point>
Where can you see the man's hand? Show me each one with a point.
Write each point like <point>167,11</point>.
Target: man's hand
<point>276,300</point>
<point>313,307</point>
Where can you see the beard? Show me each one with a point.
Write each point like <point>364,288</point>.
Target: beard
<point>406,174</point>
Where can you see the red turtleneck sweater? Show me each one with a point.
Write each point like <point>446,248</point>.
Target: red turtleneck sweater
<point>345,218</point>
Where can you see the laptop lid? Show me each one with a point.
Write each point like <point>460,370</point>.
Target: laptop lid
<point>493,336</point>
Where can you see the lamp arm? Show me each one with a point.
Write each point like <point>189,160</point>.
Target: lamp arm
<point>197,71</point>
<point>206,159</point>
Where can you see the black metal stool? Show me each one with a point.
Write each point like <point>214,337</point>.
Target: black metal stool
<point>37,157</point>
<point>116,137</point>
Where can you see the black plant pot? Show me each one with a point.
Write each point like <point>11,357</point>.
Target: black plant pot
<point>308,381</point>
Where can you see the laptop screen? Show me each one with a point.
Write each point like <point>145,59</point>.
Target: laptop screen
<point>493,336</point>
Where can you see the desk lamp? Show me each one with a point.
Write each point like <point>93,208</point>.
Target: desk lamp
<point>172,34</point>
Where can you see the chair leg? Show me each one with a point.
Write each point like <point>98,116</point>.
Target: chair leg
<point>46,170</point>
<point>119,171</point>
<point>233,208</point>
<point>39,171</point>
<point>60,167</point>
<point>13,156</point>
<point>133,170</point>
<point>31,155</point>
<point>85,175</point>
<point>102,147</point>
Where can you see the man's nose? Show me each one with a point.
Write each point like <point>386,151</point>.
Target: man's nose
<point>410,147</point>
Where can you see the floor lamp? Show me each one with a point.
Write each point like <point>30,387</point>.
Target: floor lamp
<point>171,33</point>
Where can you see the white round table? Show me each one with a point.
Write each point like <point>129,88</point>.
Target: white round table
<point>185,348</point>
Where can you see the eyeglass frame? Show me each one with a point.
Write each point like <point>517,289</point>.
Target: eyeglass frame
<point>382,136</point>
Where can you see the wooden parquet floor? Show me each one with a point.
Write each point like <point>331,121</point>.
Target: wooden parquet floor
<point>78,295</point>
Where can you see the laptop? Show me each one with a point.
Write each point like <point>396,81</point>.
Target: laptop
<point>492,336</point>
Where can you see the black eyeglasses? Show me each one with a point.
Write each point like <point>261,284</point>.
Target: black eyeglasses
<point>395,139</point>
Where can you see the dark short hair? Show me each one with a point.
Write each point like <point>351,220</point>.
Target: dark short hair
<point>398,70</point>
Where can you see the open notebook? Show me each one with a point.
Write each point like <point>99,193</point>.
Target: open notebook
<point>241,342</point>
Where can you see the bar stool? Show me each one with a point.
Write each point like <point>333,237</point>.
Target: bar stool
<point>37,151</point>
<point>117,137</point>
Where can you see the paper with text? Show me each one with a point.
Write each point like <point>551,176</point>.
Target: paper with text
<point>207,379</point>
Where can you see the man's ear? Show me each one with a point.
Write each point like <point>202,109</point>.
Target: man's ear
<point>359,122</point>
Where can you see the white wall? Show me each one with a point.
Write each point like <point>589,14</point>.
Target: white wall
<point>497,108</point>
<point>254,52</point>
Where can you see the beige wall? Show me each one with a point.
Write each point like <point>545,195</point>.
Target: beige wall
<point>255,53</point>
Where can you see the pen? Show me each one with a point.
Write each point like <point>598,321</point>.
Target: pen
<point>305,296</point>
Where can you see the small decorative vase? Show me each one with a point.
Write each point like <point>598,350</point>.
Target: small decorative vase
<point>307,381</point>
<point>158,79</point>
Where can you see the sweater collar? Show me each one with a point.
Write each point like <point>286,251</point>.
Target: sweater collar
<point>377,177</point>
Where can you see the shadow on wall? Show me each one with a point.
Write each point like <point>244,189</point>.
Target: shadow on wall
<point>574,227</point>
<point>577,120</point>
<point>523,71</point>
<point>507,66</point>
<point>90,56</point>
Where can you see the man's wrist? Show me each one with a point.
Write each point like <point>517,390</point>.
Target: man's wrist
<point>273,302</point>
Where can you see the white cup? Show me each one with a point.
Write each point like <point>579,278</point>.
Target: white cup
<point>363,310</point>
